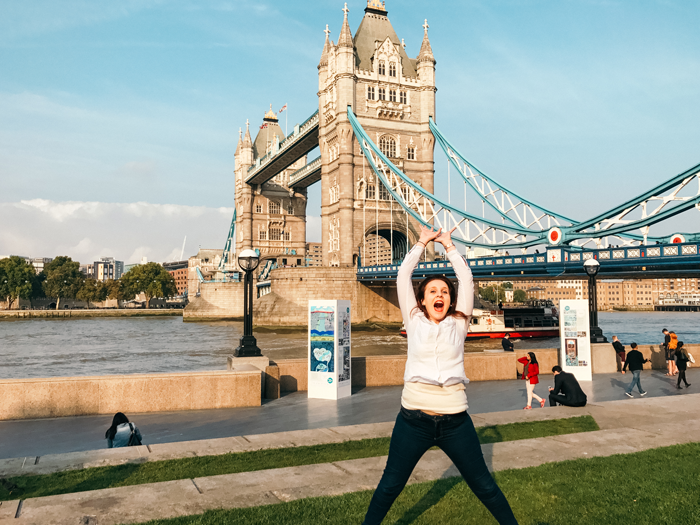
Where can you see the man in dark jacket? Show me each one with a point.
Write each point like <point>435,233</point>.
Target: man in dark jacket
<point>507,343</point>
<point>566,390</point>
<point>619,352</point>
<point>635,360</point>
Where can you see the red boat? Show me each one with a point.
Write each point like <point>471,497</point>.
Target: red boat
<point>527,322</point>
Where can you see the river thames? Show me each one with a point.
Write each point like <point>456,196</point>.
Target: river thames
<point>104,346</point>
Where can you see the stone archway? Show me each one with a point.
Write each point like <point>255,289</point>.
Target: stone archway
<point>396,244</point>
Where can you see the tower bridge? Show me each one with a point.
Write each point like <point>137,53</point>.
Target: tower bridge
<point>376,130</point>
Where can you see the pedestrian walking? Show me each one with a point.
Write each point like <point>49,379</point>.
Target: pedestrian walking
<point>619,352</point>
<point>682,358</point>
<point>672,346</point>
<point>635,360</point>
<point>434,401</point>
<point>566,390</point>
<point>531,371</point>
<point>668,353</point>
<point>122,433</point>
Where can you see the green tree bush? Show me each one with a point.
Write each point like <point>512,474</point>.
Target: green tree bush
<point>519,296</point>
<point>115,290</point>
<point>62,279</point>
<point>17,280</point>
<point>151,279</point>
<point>92,291</point>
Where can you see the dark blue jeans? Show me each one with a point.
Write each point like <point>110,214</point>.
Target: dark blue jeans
<point>414,433</point>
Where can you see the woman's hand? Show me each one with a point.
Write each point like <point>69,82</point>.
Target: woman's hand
<point>446,238</point>
<point>427,235</point>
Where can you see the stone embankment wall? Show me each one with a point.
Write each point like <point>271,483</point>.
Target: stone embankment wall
<point>292,288</point>
<point>81,396</point>
<point>216,301</point>
<point>51,314</point>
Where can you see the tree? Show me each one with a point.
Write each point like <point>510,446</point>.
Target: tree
<point>63,279</point>
<point>151,279</point>
<point>493,294</point>
<point>519,296</point>
<point>17,278</point>
<point>92,291</point>
<point>115,290</point>
<point>507,286</point>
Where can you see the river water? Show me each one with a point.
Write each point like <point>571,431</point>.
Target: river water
<point>103,346</point>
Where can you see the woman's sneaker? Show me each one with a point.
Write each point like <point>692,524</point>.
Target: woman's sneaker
<point>628,394</point>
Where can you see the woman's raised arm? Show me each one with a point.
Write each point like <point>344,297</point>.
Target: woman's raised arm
<point>404,283</point>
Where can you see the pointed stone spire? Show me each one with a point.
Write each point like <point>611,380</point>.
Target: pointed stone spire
<point>345,39</point>
<point>326,49</point>
<point>426,52</point>
<point>247,141</point>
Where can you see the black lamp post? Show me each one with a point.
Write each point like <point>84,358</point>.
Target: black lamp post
<point>248,261</point>
<point>592,266</point>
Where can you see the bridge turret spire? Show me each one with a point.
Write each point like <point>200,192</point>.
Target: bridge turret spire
<point>247,140</point>
<point>326,49</point>
<point>345,39</point>
<point>426,52</point>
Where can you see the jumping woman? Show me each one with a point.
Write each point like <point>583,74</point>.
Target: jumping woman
<point>434,401</point>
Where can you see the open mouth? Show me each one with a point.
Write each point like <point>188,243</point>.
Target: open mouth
<point>439,306</point>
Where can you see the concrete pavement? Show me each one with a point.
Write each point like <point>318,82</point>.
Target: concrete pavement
<point>627,426</point>
<point>295,411</point>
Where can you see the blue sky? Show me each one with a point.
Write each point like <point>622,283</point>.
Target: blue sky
<point>575,104</point>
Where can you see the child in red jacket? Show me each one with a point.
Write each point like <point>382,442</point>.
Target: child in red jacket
<point>531,371</point>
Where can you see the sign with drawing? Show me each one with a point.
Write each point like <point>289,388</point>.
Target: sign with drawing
<point>575,350</point>
<point>329,359</point>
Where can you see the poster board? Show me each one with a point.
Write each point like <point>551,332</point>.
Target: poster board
<point>574,332</point>
<point>329,353</point>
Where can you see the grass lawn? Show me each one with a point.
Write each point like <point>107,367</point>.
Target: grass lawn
<point>655,487</point>
<point>23,487</point>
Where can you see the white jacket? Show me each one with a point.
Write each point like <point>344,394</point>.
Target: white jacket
<point>435,351</point>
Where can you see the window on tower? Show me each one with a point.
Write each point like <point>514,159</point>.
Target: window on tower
<point>370,191</point>
<point>287,236</point>
<point>275,234</point>
<point>382,94</point>
<point>402,97</point>
<point>387,145</point>
<point>273,208</point>
<point>392,95</point>
<point>258,208</point>
<point>383,193</point>
<point>382,68</point>
<point>392,69</point>
<point>290,210</point>
<point>262,235</point>
<point>411,153</point>
<point>370,92</point>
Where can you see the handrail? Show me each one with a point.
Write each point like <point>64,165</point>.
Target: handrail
<point>302,172</point>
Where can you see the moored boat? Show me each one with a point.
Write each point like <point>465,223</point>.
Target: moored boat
<point>524,322</point>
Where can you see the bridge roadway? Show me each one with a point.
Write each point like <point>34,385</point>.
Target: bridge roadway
<point>298,143</point>
<point>642,262</point>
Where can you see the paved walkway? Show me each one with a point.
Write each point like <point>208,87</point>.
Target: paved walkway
<point>292,412</point>
<point>627,426</point>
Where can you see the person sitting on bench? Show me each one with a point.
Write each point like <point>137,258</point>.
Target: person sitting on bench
<point>566,390</point>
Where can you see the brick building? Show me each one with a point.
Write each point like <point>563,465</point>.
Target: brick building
<point>179,271</point>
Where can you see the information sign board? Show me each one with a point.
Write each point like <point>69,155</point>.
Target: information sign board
<point>574,330</point>
<point>329,359</point>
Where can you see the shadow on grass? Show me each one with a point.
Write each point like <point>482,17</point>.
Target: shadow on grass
<point>431,498</point>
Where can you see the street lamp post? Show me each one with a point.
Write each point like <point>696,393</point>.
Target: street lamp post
<point>248,261</point>
<point>592,266</point>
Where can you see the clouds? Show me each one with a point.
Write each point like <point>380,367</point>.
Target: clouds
<point>87,231</point>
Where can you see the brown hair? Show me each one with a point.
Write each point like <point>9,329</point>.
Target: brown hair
<point>452,310</point>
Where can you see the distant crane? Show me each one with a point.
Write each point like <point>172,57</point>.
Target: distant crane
<point>182,253</point>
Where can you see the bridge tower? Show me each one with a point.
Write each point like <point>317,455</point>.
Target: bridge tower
<point>393,97</point>
<point>271,217</point>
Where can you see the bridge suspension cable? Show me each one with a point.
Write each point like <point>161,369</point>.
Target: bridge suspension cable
<point>524,223</point>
